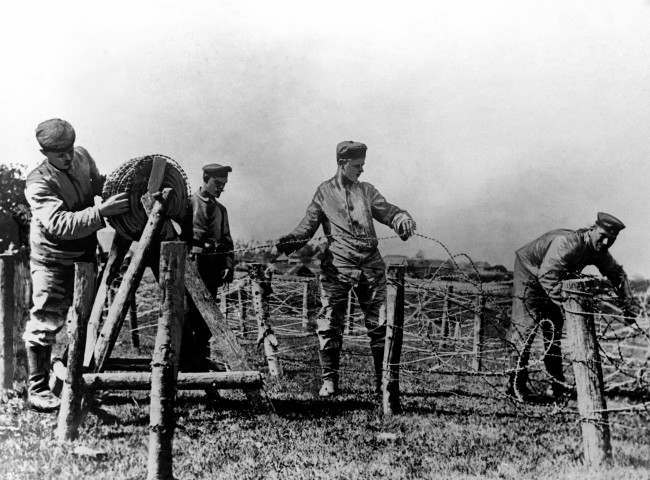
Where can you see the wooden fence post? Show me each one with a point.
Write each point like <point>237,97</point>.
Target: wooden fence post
<point>223,301</point>
<point>587,370</point>
<point>479,317</point>
<point>241,307</point>
<point>164,364</point>
<point>305,305</point>
<point>8,319</point>
<point>72,394</point>
<point>444,323</point>
<point>394,335</point>
<point>133,322</point>
<point>260,292</point>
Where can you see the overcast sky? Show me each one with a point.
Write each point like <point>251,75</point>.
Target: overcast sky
<point>490,121</point>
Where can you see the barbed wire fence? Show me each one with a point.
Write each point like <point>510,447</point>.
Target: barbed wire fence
<point>455,338</point>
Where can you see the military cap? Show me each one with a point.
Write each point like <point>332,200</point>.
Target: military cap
<point>609,223</point>
<point>55,135</point>
<point>349,149</point>
<point>216,170</point>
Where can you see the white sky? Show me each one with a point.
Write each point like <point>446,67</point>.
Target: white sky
<point>490,121</point>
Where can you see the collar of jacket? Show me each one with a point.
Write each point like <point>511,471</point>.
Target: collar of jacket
<point>205,196</point>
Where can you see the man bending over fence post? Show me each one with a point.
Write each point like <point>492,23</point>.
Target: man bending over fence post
<point>540,268</point>
<point>345,208</point>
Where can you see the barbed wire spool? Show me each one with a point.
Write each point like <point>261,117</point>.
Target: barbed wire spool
<point>133,177</point>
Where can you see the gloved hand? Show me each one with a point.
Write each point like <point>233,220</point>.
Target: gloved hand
<point>631,310</point>
<point>404,225</point>
<point>286,244</point>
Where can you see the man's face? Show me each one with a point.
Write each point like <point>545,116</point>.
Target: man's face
<point>353,168</point>
<point>216,185</point>
<point>601,240</point>
<point>61,160</point>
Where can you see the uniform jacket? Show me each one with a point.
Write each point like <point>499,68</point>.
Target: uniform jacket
<point>561,254</point>
<point>211,231</point>
<point>346,214</point>
<point>64,216</point>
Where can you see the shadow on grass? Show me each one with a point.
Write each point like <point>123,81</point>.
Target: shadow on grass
<point>314,408</point>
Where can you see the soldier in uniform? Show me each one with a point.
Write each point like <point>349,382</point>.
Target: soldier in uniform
<point>65,219</point>
<point>540,268</point>
<point>346,208</point>
<point>212,249</point>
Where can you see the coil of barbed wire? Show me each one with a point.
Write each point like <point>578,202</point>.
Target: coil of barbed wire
<point>133,177</point>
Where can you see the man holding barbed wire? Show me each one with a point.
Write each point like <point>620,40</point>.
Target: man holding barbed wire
<point>540,268</point>
<point>346,208</point>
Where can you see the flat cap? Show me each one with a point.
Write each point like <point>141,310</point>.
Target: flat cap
<point>55,135</point>
<point>609,223</point>
<point>350,149</point>
<point>216,170</point>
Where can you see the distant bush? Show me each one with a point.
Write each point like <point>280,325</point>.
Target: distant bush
<point>14,210</point>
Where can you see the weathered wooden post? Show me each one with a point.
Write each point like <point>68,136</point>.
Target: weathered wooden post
<point>444,322</point>
<point>479,327</point>
<point>305,305</point>
<point>587,370</point>
<point>394,335</point>
<point>133,322</point>
<point>223,301</point>
<point>241,308</point>
<point>260,293</point>
<point>8,319</point>
<point>164,364</point>
<point>72,394</point>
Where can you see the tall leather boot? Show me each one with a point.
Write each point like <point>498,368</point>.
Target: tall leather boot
<point>39,395</point>
<point>329,361</point>
<point>378,361</point>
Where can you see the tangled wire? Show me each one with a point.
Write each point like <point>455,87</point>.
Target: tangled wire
<point>133,177</point>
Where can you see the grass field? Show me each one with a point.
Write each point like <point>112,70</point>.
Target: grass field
<point>451,427</point>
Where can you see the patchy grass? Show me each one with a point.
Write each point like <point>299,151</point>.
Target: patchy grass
<point>448,433</point>
<point>451,427</point>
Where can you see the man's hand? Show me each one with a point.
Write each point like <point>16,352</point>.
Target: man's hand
<point>115,205</point>
<point>631,310</point>
<point>286,244</point>
<point>404,225</point>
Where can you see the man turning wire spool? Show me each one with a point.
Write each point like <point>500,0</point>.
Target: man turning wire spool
<point>540,268</point>
<point>346,208</point>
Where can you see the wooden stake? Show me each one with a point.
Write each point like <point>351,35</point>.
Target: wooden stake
<point>444,323</point>
<point>133,322</point>
<point>242,311</point>
<point>7,320</point>
<point>119,249</point>
<point>164,364</point>
<point>479,317</point>
<point>130,281</point>
<point>587,370</point>
<point>394,334</point>
<point>305,305</point>
<point>223,301</point>
<point>260,292</point>
<point>72,394</point>
<point>184,381</point>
